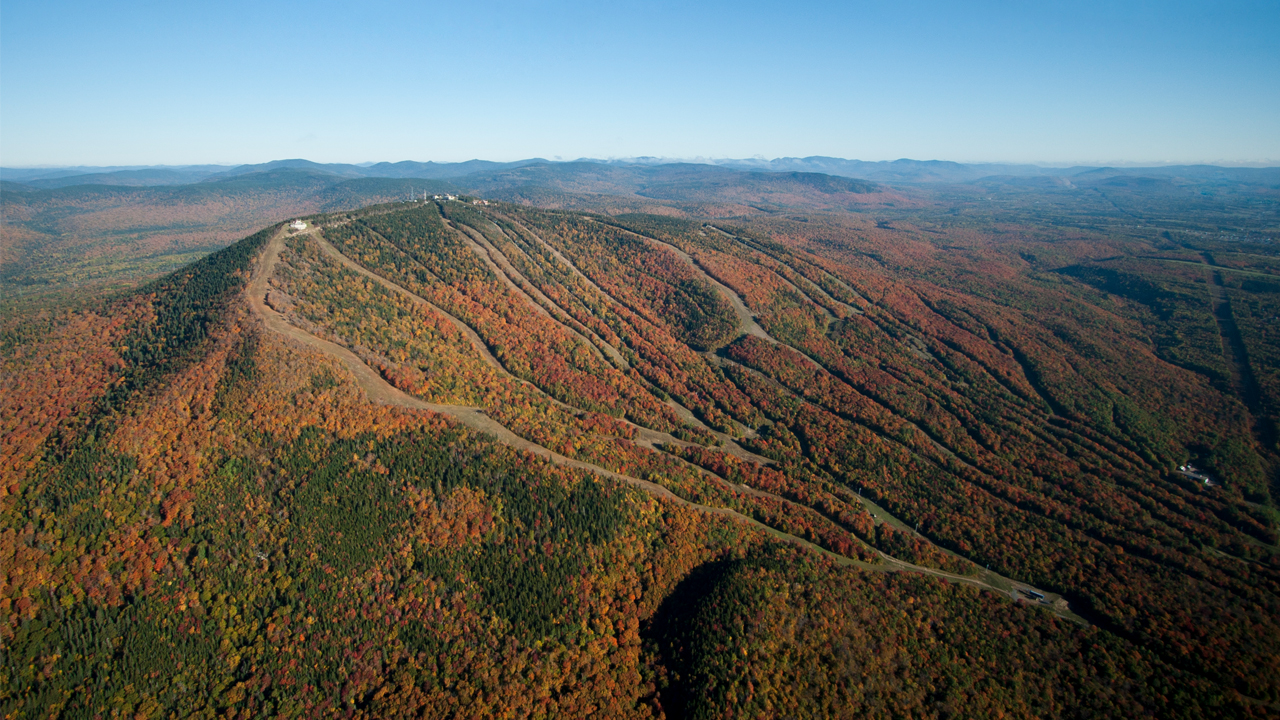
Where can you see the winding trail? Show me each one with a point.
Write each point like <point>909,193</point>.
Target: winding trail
<point>609,348</point>
<point>747,323</point>
<point>729,444</point>
<point>934,442</point>
<point>807,294</point>
<point>380,392</point>
<point>476,341</point>
<point>473,241</point>
<point>746,320</point>
<point>942,449</point>
<point>481,245</point>
<point>645,437</point>
<point>557,255</point>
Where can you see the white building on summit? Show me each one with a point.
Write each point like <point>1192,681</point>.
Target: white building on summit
<point>298,225</point>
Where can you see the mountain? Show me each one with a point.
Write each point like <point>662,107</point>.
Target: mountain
<point>938,171</point>
<point>63,235</point>
<point>344,170</point>
<point>894,171</point>
<point>404,169</point>
<point>63,238</point>
<point>984,453</point>
<point>897,171</point>
<point>46,178</point>
<point>25,175</point>
<point>70,235</point>
<point>688,186</point>
<point>1187,173</point>
<point>440,171</point>
<point>145,177</point>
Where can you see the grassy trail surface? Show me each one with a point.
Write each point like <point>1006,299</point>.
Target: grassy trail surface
<point>380,392</point>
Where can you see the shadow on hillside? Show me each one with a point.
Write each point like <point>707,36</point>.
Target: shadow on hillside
<point>672,633</point>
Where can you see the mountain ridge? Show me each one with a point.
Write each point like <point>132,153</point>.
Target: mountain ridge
<point>903,170</point>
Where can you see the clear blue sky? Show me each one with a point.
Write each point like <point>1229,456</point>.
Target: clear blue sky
<point>132,83</point>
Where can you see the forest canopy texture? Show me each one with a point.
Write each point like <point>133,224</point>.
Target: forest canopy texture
<point>872,452</point>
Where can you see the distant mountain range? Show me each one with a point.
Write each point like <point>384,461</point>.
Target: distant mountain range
<point>897,171</point>
<point>71,226</point>
<point>917,171</point>
<point>47,178</point>
<point>132,222</point>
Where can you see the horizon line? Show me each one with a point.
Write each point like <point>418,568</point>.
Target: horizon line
<point>700,160</point>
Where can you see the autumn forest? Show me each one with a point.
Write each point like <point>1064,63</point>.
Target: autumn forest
<point>785,448</point>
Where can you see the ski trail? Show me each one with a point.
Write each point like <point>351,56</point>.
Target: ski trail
<point>380,392</point>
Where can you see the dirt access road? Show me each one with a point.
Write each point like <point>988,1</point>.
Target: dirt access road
<point>380,392</point>
<point>645,437</point>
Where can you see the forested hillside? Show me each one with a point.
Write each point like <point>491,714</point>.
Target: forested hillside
<point>455,458</point>
<point>60,243</point>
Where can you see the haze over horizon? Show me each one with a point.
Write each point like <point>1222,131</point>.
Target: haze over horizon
<point>649,159</point>
<point>1091,84</point>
